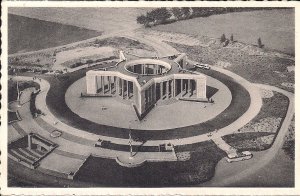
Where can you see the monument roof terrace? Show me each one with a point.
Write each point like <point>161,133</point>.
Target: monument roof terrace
<point>170,66</point>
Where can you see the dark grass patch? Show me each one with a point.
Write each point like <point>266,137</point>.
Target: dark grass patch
<point>289,148</point>
<point>199,168</point>
<point>12,116</point>
<point>57,105</point>
<point>12,88</point>
<point>46,34</point>
<point>276,107</point>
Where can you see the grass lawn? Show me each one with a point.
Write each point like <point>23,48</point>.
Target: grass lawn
<point>28,34</point>
<point>275,107</point>
<point>12,88</point>
<point>198,169</point>
<point>106,172</point>
<point>12,116</point>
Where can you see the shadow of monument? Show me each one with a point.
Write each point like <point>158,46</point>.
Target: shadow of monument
<point>210,91</point>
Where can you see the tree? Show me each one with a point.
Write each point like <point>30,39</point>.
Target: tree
<point>223,38</point>
<point>226,43</point>
<point>177,12</point>
<point>186,12</point>
<point>151,16</point>
<point>200,11</point>
<point>142,19</point>
<point>161,14</point>
<point>260,45</point>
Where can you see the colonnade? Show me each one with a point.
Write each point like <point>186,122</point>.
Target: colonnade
<point>112,85</point>
<point>125,88</point>
<point>143,97</point>
<point>176,87</point>
<point>145,69</point>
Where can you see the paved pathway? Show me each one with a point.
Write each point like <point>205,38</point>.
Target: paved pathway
<point>224,146</point>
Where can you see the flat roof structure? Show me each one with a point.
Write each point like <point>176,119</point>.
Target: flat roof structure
<point>146,80</point>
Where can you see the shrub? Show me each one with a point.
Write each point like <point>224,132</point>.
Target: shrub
<point>177,12</point>
<point>223,38</point>
<point>89,61</point>
<point>142,19</point>
<point>260,45</point>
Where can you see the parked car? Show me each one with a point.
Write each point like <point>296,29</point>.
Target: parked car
<point>233,157</point>
<point>56,133</point>
<point>202,66</point>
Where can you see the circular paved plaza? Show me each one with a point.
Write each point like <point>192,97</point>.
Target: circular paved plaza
<point>112,111</point>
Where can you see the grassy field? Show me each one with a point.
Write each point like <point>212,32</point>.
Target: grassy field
<point>246,27</point>
<point>27,34</point>
<point>257,69</point>
<point>99,19</point>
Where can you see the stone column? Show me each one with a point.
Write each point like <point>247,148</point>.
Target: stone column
<point>29,141</point>
<point>109,84</point>
<point>127,89</point>
<point>191,87</point>
<point>181,88</point>
<point>122,87</point>
<point>174,88</point>
<point>167,86</point>
<point>161,89</point>
<point>116,85</point>
<point>102,84</point>
<point>187,86</point>
<point>147,69</point>
<point>154,92</point>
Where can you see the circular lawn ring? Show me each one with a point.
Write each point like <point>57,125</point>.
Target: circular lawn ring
<point>58,106</point>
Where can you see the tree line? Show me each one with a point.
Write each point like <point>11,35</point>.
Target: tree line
<point>168,15</point>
